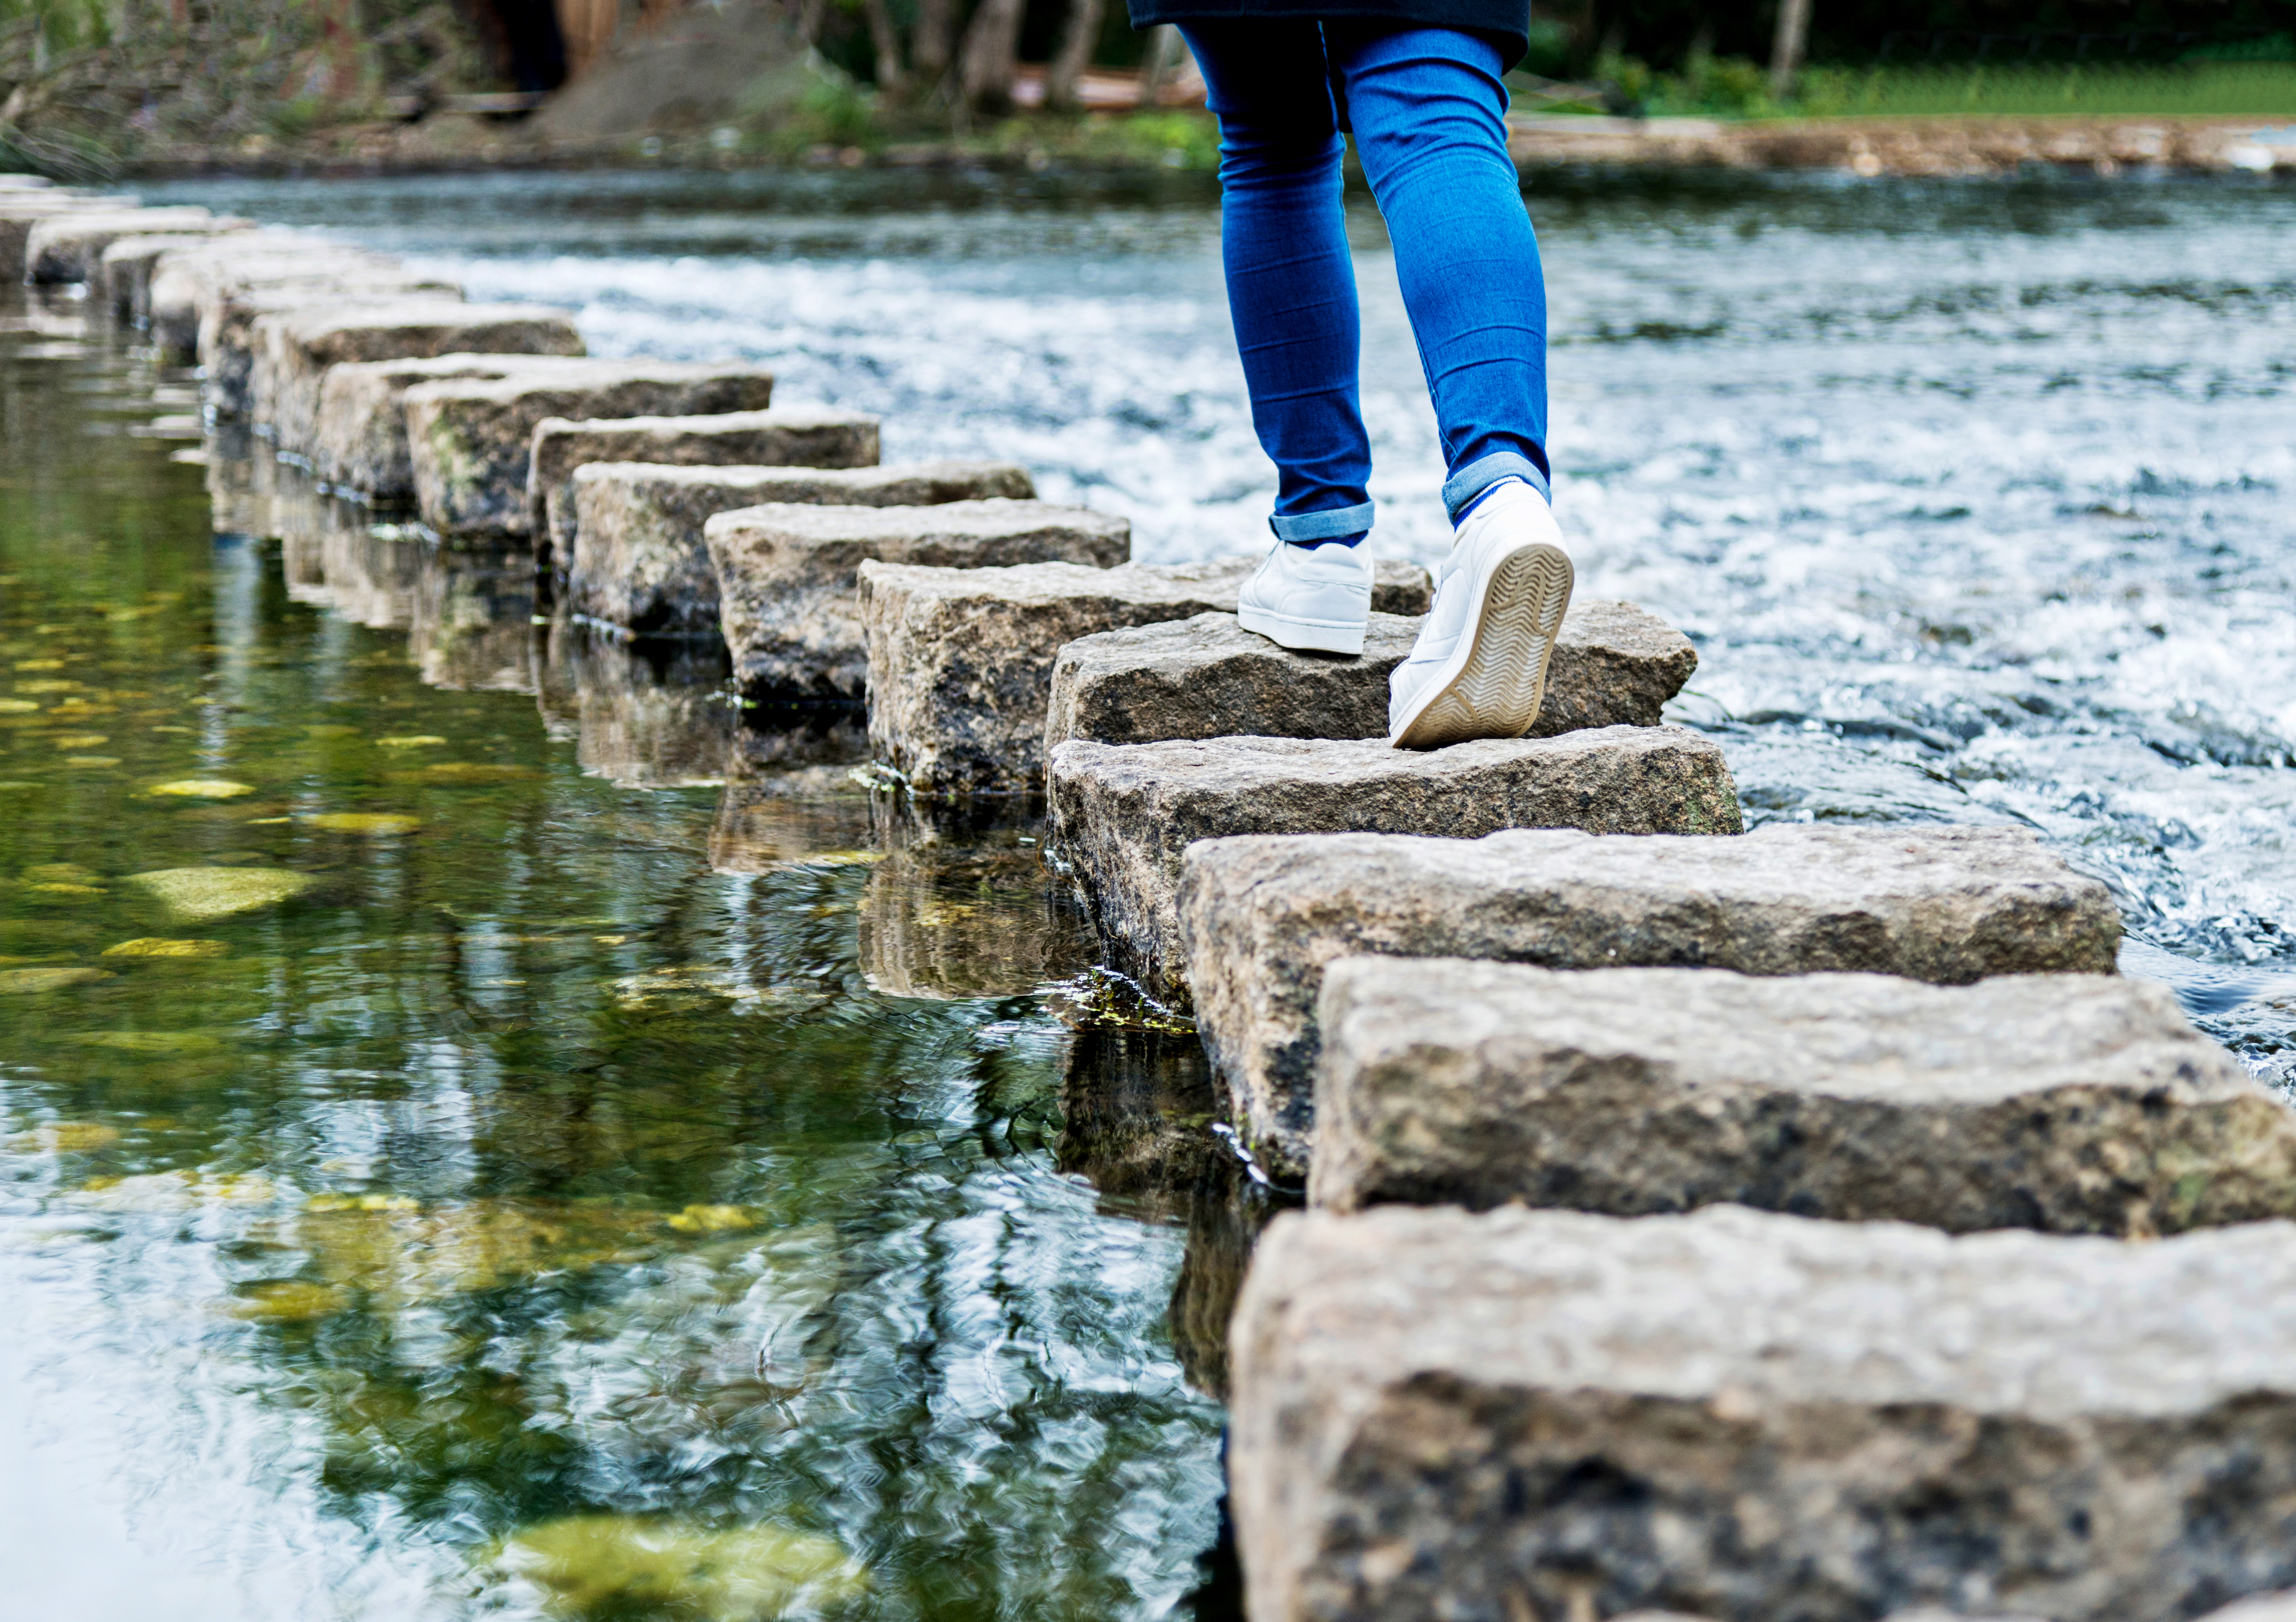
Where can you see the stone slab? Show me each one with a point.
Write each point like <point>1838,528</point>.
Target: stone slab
<point>1121,814</point>
<point>789,575</point>
<point>294,348</point>
<point>960,661</point>
<point>1754,1418</point>
<point>794,436</point>
<point>186,281</point>
<point>472,440</point>
<point>20,213</point>
<point>230,318</point>
<point>122,278</point>
<point>68,244</point>
<point>1615,664</point>
<point>2066,1103</point>
<point>358,439</point>
<point>1258,920</point>
<point>640,559</point>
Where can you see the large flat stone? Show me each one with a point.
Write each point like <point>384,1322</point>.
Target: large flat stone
<point>20,211</point>
<point>2068,1103</point>
<point>69,244</point>
<point>1615,664</point>
<point>1123,813</point>
<point>294,348</point>
<point>1258,920</point>
<point>794,436</point>
<point>788,575</point>
<point>358,440</point>
<point>186,281</point>
<point>639,559</point>
<point>229,331</point>
<point>961,660</point>
<point>472,440</point>
<point>122,277</point>
<point>1757,1418</point>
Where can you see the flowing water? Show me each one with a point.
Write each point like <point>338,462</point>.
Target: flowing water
<point>512,1175</point>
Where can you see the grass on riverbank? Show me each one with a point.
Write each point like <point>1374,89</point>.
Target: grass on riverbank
<point>1735,89</point>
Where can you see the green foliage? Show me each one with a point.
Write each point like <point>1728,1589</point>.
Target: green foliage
<point>1707,87</point>
<point>2258,90</point>
<point>1551,45</point>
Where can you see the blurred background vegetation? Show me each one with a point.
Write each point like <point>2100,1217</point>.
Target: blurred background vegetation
<point>90,86</point>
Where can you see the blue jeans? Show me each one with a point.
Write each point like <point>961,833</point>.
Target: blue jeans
<point>1428,113</point>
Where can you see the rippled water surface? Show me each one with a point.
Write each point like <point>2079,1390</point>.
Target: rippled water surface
<point>593,1192</point>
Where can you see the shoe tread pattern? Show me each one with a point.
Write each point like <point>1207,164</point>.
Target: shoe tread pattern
<point>1498,692</point>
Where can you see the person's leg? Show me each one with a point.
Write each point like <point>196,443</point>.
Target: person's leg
<point>1429,115</point>
<point>1291,283</point>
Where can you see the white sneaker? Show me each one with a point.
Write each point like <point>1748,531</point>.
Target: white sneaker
<point>1316,598</point>
<point>1479,669</point>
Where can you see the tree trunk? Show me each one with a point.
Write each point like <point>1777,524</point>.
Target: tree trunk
<point>887,41</point>
<point>1792,40</point>
<point>991,45</point>
<point>810,15</point>
<point>1077,37</point>
<point>929,46</point>
<point>1164,48</point>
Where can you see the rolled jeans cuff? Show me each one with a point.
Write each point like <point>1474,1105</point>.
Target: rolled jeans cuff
<point>1323,526</point>
<point>1476,477</point>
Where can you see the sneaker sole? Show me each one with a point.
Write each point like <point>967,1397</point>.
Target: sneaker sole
<point>1304,636</point>
<point>1496,680</point>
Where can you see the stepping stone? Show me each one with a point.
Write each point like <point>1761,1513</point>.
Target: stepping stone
<point>1614,665</point>
<point>795,436</point>
<point>652,717</point>
<point>789,586</point>
<point>358,440</point>
<point>227,338</point>
<point>1545,1413</point>
<point>122,277</point>
<point>1121,814</point>
<point>69,244</point>
<point>639,560</point>
<point>961,660</point>
<point>20,213</point>
<point>186,282</point>
<point>1260,918</point>
<point>970,921</point>
<point>294,348</point>
<point>472,440</point>
<point>2068,1103</point>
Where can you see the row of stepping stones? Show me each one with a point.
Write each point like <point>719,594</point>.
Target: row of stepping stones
<point>1729,1222</point>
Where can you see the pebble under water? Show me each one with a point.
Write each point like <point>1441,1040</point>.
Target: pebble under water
<point>563,1188</point>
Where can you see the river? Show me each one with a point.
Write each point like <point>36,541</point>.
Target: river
<point>582,1200</point>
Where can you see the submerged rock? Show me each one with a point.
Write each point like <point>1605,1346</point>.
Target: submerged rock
<point>1615,664</point>
<point>1122,814</point>
<point>1754,1416</point>
<point>199,895</point>
<point>2068,1103</point>
<point>294,349</point>
<point>38,981</point>
<point>230,317</point>
<point>470,441</point>
<point>1260,918</point>
<point>789,575</point>
<point>638,559</point>
<point>794,436</point>
<point>155,946</point>
<point>587,1566</point>
<point>961,660</point>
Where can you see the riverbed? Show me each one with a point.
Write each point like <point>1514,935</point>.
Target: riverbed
<point>601,1193</point>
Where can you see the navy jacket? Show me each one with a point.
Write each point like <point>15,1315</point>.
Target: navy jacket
<point>1505,22</point>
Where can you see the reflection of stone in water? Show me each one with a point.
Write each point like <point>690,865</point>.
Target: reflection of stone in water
<point>947,921</point>
<point>336,559</point>
<point>233,456</point>
<point>1138,1110</point>
<point>472,629</point>
<point>824,732</point>
<point>812,816</point>
<point>644,715</point>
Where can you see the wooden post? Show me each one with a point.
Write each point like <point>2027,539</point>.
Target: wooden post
<point>1079,34</point>
<point>1786,52</point>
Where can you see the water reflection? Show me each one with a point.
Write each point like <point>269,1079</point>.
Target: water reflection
<point>465,1186</point>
